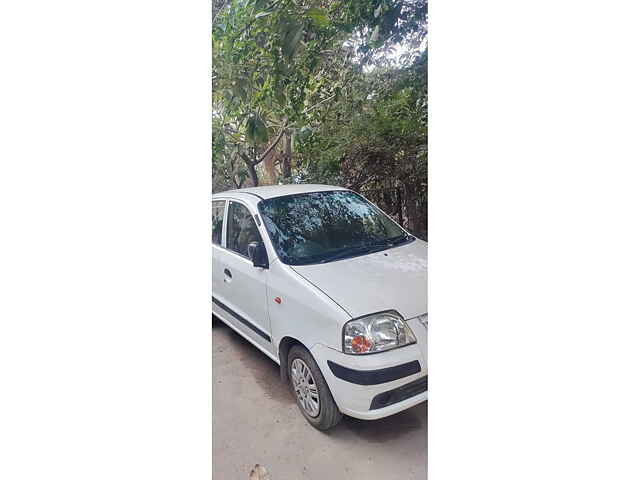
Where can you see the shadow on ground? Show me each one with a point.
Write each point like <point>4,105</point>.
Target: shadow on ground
<point>262,368</point>
<point>267,376</point>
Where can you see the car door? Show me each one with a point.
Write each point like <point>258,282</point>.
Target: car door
<point>243,289</point>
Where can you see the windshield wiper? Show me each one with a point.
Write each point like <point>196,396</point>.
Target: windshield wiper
<point>353,251</point>
<point>358,250</point>
<point>400,239</point>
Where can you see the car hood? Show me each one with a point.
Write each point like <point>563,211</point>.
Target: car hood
<point>393,279</point>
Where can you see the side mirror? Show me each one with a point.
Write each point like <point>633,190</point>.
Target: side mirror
<point>258,254</point>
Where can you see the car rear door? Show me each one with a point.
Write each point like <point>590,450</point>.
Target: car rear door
<point>241,296</point>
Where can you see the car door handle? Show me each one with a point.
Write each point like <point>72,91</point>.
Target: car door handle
<point>227,273</point>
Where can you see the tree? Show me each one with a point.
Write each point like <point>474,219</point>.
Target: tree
<point>329,91</point>
<point>375,143</point>
<point>274,61</point>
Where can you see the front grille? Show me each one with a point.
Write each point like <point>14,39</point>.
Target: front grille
<point>399,394</point>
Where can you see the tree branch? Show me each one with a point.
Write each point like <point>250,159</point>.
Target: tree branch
<point>308,109</point>
<point>272,146</point>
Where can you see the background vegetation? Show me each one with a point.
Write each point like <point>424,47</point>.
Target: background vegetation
<point>326,91</point>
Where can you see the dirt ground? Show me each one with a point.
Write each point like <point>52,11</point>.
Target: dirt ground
<point>256,421</point>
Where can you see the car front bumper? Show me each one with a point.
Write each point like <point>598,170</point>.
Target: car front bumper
<point>376,385</point>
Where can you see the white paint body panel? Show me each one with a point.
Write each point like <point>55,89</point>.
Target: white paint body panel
<point>394,279</point>
<point>317,300</point>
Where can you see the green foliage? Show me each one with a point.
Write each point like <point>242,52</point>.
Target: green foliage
<point>256,130</point>
<point>318,17</point>
<point>374,141</point>
<point>306,90</point>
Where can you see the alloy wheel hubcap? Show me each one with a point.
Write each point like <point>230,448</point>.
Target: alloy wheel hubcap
<point>305,387</point>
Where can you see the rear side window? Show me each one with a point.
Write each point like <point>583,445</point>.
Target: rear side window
<point>218,217</point>
<point>241,229</point>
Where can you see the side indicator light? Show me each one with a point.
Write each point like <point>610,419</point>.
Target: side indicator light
<point>278,300</point>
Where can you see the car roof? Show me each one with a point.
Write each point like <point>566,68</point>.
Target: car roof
<point>272,191</point>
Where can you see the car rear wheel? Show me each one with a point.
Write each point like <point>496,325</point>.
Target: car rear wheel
<point>311,391</point>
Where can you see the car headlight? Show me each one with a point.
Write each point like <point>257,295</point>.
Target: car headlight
<point>376,333</point>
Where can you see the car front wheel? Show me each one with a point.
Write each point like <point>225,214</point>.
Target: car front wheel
<point>311,391</point>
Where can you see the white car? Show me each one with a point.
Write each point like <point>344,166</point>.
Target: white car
<point>330,288</point>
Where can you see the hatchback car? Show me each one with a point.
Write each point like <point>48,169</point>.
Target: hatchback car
<point>330,288</point>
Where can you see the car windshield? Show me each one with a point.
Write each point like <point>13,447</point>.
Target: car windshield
<point>321,227</point>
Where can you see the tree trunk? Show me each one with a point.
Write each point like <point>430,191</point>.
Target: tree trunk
<point>251,164</point>
<point>416,211</point>
<point>399,205</point>
<point>286,159</point>
<point>411,209</point>
<point>270,168</point>
<point>252,173</point>
<point>251,168</point>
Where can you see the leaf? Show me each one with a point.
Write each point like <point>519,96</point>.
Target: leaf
<point>291,40</point>
<point>251,128</point>
<point>280,98</point>
<point>375,34</point>
<point>263,14</point>
<point>256,129</point>
<point>261,133</point>
<point>376,13</point>
<point>318,17</point>
<point>303,133</point>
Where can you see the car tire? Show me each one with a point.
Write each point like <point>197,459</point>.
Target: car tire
<point>324,413</point>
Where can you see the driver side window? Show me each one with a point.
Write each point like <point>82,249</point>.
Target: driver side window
<point>241,229</point>
<point>218,217</point>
